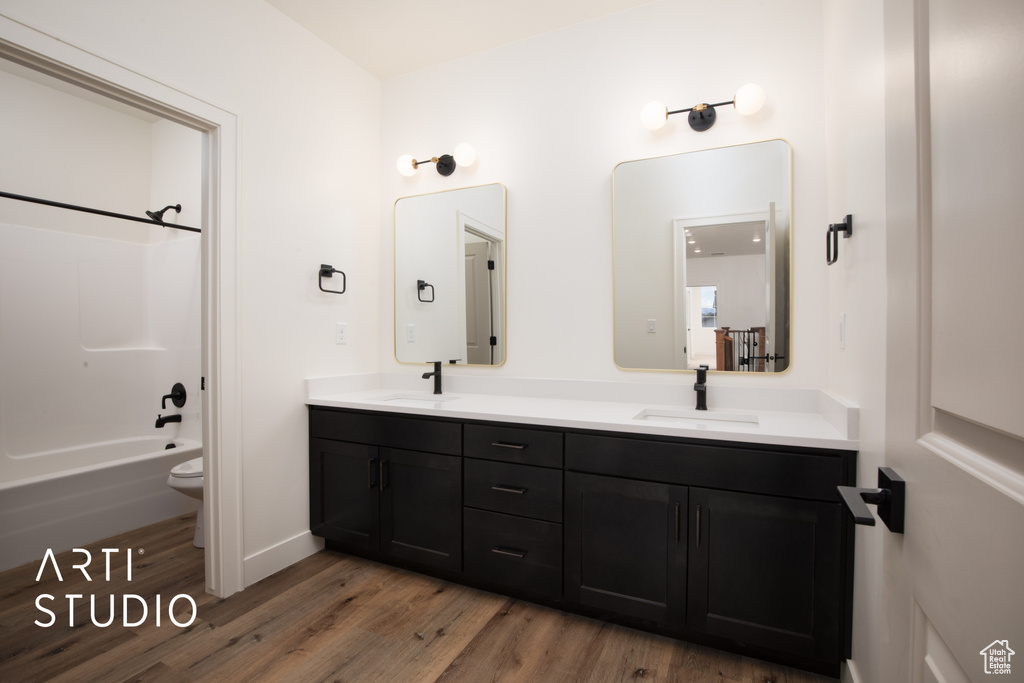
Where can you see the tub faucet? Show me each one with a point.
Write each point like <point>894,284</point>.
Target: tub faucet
<point>701,387</point>
<point>161,420</point>
<point>436,374</point>
<point>177,396</point>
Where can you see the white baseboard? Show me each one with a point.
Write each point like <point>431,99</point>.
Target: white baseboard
<point>259,566</point>
<point>850,673</point>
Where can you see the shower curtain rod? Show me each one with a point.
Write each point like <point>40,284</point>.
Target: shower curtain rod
<point>99,212</point>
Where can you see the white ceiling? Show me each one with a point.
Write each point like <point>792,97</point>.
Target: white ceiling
<point>389,38</point>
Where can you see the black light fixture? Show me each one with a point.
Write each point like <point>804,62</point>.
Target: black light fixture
<point>446,164</point>
<point>748,100</point>
<point>158,216</point>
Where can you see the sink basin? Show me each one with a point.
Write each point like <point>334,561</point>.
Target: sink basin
<point>699,419</point>
<point>418,400</point>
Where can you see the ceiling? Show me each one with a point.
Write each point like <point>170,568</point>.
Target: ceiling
<point>389,38</point>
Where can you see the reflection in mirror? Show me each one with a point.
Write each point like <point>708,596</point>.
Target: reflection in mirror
<point>702,260</point>
<point>450,276</point>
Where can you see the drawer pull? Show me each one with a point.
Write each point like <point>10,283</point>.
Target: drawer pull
<point>500,444</point>
<point>509,551</point>
<point>508,489</point>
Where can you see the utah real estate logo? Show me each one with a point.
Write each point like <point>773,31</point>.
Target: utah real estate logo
<point>997,657</point>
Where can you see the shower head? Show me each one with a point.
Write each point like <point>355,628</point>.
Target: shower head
<point>158,216</point>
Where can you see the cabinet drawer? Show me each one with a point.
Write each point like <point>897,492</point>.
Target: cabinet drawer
<point>513,551</point>
<point>732,468</point>
<point>516,489</point>
<point>514,444</point>
<point>386,430</point>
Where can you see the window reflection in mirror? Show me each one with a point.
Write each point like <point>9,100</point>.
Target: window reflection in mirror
<point>702,259</point>
<point>450,276</point>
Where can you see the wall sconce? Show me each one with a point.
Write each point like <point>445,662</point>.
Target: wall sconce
<point>748,100</point>
<point>464,155</point>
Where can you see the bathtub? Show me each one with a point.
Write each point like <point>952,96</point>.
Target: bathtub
<point>65,498</point>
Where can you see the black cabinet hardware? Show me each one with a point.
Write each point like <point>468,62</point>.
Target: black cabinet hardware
<point>890,497</point>
<point>509,551</point>
<point>517,446</point>
<point>698,526</point>
<point>677,523</point>
<point>508,489</point>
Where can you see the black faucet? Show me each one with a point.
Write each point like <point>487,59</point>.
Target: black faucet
<point>161,420</point>
<point>177,396</point>
<point>701,387</point>
<point>436,374</point>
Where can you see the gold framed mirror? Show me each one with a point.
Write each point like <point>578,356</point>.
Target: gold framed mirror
<point>702,249</point>
<point>450,263</point>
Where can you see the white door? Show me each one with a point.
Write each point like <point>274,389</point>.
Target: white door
<point>478,304</point>
<point>955,383</point>
<point>700,342</point>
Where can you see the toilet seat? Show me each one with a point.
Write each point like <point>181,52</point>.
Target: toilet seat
<point>188,469</point>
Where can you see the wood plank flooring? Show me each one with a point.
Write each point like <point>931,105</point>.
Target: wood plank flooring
<point>330,617</point>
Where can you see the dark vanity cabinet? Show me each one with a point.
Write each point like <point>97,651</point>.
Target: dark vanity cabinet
<point>513,508</point>
<point>766,570</point>
<point>371,491</point>
<point>625,546</point>
<point>738,546</point>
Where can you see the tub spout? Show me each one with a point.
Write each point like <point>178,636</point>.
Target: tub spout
<point>161,420</point>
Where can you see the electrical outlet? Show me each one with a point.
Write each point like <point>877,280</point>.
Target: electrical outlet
<point>410,333</point>
<point>842,330</point>
<point>341,333</point>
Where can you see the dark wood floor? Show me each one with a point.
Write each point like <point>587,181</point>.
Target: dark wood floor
<point>328,618</point>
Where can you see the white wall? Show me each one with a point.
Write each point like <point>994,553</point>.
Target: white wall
<point>550,118</point>
<point>308,194</point>
<point>857,287</point>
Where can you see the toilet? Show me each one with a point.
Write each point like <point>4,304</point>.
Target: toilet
<point>188,478</point>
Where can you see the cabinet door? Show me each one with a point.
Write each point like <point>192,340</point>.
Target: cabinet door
<point>344,492</point>
<point>625,546</point>
<point>421,507</point>
<point>766,571</point>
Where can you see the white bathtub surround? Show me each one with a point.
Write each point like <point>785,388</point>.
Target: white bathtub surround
<point>93,331</point>
<point>785,416</point>
<point>90,502</point>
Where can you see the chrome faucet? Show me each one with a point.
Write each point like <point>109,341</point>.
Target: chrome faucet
<point>161,420</point>
<point>436,374</point>
<point>701,387</point>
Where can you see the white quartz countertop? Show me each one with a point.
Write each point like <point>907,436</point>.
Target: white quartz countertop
<point>827,422</point>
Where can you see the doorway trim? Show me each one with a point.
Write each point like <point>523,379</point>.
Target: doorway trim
<point>221,414</point>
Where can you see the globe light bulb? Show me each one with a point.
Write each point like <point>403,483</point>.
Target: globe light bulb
<point>406,165</point>
<point>464,154</point>
<point>654,115</point>
<point>749,99</point>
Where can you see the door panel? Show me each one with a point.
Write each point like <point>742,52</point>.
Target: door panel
<point>421,507</point>
<point>954,400</point>
<point>626,546</point>
<point>765,571</point>
<point>348,496</point>
<point>478,305</point>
